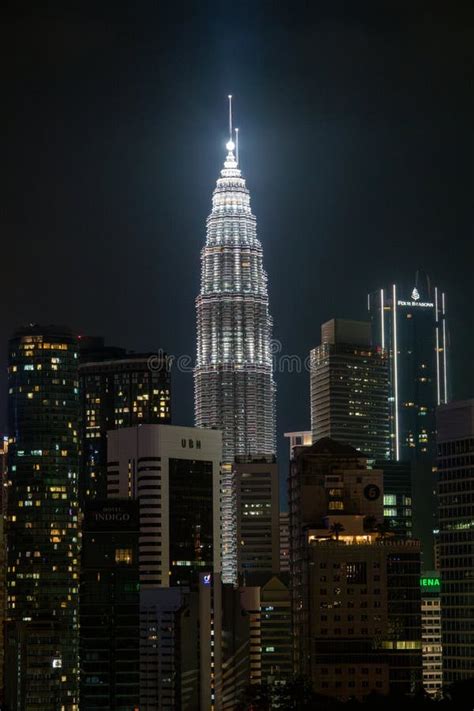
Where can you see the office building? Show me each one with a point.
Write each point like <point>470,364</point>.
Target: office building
<point>409,323</point>
<point>117,389</point>
<point>363,615</point>
<point>234,389</point>
<point>397,496</point>
<point>430,585</point>
<point>180,646</point>
<point>275,629</point>
<point>174,472</point>
<point>455,424</point>
<point>299,439</point>
<point>284,542</point>
<point>257,646</point>
<point>42,526</point>
<point>355,589</point>
<point>350,388</point>
<point>109,606</point>
<point>3,554</point>
<point>258,534</point>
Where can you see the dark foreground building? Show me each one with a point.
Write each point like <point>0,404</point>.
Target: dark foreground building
<point>456,537</point>
<point>110,607</point>
<point>355,589</point>
<point>42,520</point>
<point>117,389</point>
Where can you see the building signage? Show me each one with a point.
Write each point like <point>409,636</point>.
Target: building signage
<point>431,583</point>
<point>190,443</point>
<point>206,579</point>
<point>416,304</point>
<point>111,515</point>
<point>372,492</point>
<point>103,516</point>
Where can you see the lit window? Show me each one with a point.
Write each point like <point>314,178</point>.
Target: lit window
<point>123,555</point>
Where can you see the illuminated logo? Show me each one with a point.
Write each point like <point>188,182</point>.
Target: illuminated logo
<point>430,583</point>
<point>415,294</point>
<point>372,492</point>
<point>417,304</point>
<point>57,663</point>
<point>206,579</point>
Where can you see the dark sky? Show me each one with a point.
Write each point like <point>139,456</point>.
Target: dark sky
<point>356,126</point>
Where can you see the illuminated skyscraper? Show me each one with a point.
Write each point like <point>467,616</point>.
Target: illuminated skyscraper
<point>42,520</point>
<point>234,387</point>
<point>409,322</point>
<point>117,389</point>
<point>349,388</point>
<point>233,378</point>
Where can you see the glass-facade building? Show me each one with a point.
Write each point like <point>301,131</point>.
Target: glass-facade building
<point>110,607</point>
<point>349,382</point>
<point>233,379</point>
<point>117,389</point>
<point>174,472</point>
<point>409,322</point>
<point>42,520</point>
<point>456,537</point>
<point>234,389</point>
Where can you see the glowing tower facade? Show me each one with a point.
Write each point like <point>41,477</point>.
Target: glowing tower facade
<point>233,377</point>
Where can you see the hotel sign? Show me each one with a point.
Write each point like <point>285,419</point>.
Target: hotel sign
<point>416,304</point>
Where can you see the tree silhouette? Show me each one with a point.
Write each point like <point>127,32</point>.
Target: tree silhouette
<point>336,529</point>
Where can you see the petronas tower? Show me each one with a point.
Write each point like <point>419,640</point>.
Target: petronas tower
<point>233,378</point>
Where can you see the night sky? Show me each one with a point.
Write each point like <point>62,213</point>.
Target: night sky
<point>356,124</point>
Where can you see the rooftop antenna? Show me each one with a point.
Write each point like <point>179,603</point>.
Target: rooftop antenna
<point>237,145</point>
<point>230,144</point>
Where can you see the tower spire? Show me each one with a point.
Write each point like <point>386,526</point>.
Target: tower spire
<point>230,116</point>
<point>237,145</point>
<point>230,143</point>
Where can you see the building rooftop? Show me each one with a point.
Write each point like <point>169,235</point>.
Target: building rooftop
<point>330,446</point>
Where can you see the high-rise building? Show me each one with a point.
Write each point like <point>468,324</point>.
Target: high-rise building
<point>284,542</point>
<point>3,553</point>
<point>355,590</point>
<point>430,585</point>
<point>234,386</point>
<point>409,322</point>
<point>258,535</point>
<point>455,424</point>
<point>180,646</point>
<point>350,388</point>
<point>363,614</point>
<point>397,496</point>
<point>42,511</point>
<point>109,606</point>
<point>234,390</point>
<point>256,636</point>
<point>117,389</point>
<point>174,473</point>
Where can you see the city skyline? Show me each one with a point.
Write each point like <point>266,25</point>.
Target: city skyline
<point>159,545</point>
<point>321,169</point>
